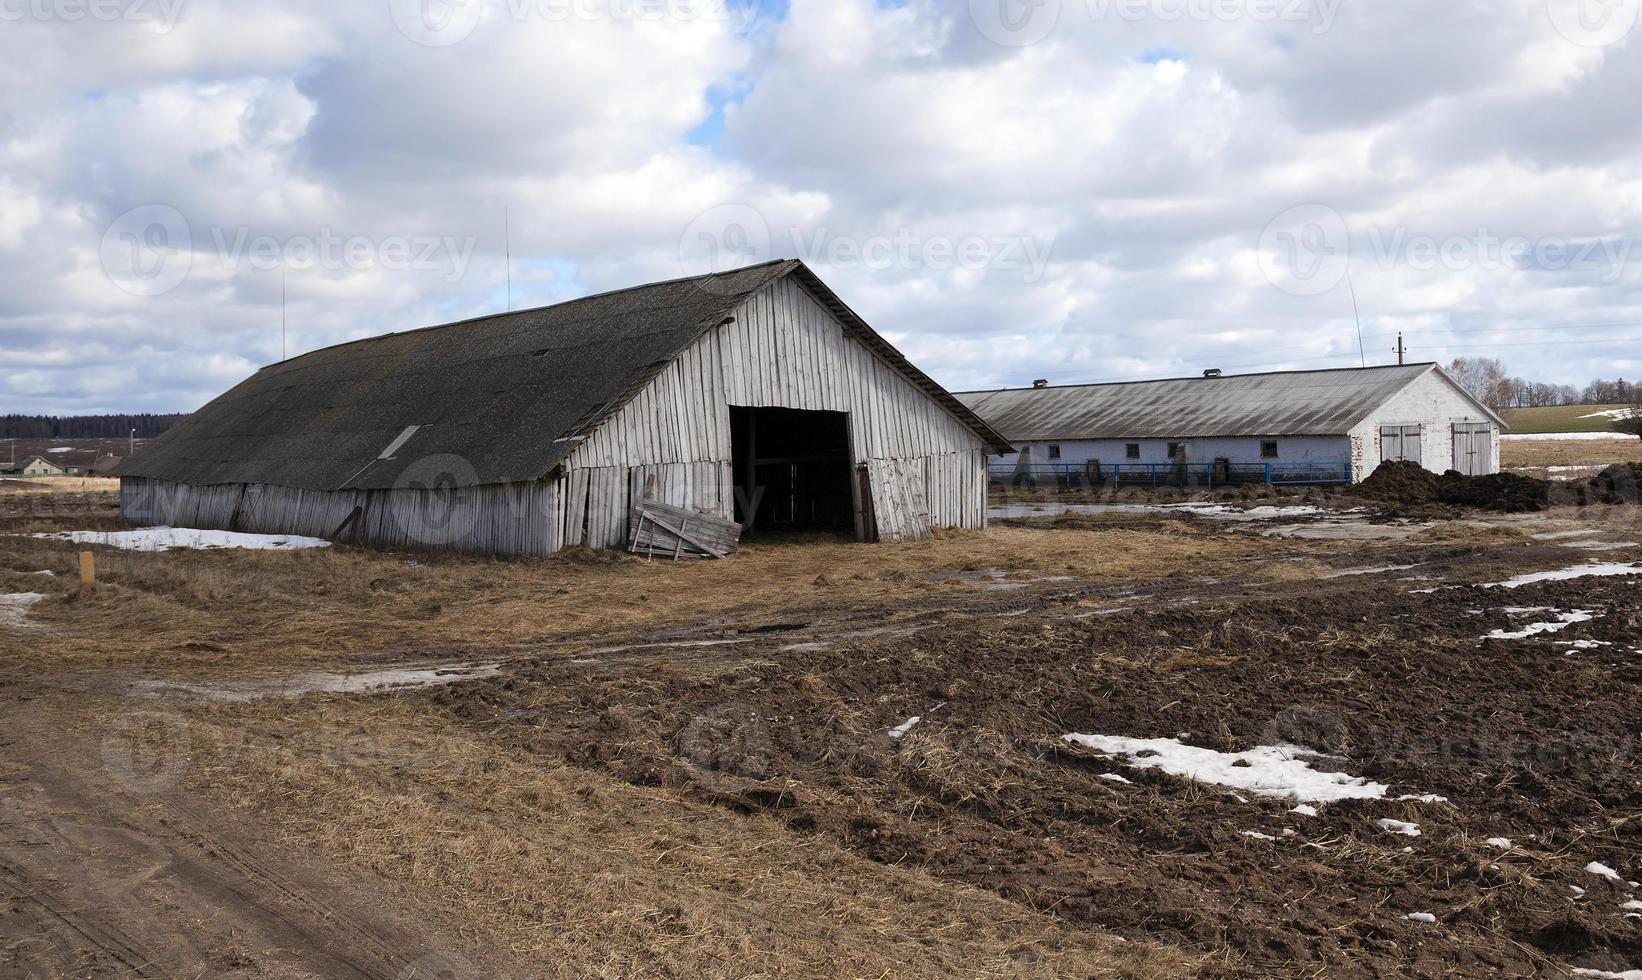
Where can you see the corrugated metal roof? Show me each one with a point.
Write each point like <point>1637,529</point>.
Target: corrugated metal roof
<point>1291,403</point>
<point>510,394</point>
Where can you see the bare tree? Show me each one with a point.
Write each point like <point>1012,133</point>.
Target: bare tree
<point>1628,422</point>
<point>1485,378</point>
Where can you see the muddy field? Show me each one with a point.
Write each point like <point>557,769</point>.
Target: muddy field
<point>826,759</point>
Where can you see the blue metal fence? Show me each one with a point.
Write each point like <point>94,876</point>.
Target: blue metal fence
<point>1171,474</point>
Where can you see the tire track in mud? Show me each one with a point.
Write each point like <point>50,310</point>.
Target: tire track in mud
<point>86,868</point>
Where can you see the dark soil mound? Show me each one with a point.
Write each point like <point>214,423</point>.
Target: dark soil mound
<point>1497,491</point>
<point>1399,482</point>
<point>1620,483</point>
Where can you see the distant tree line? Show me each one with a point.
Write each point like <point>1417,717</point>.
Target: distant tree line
<point>85,426</point>
<point>1488,380</point>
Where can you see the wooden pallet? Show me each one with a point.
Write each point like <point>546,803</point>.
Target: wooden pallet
<point>656,529</point>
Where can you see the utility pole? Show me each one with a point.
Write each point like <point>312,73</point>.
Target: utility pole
<point>131,444</point>
<point>1401,350</point>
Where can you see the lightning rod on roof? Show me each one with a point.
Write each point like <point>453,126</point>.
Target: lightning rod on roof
<point>507,251</point>
<point>1362,353</point>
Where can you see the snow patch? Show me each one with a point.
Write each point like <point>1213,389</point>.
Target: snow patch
<point>1605,975</point>
<point>167,538</point>
<point>1112,777</point>
<point>1503,843</point>
<point>906,726</point>
<point>1603,871</point>
<point>1563,621</point>
<point>1305,810</point>
<point>1563,574</point>
<point>1427,798</point>
<point>376,681</point>
<point>1562,436</point>
<point>1425,917</point>
<point>1268,770</point>
<point>1632,906</point>
<point>1398,827</point>
<point>14,607</point>
<point>1257,835</point>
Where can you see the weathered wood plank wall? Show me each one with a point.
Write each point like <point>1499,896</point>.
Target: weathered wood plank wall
<point>501,519</point>
<point>782,350</point>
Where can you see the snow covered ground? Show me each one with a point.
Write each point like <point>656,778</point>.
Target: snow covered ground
<point>167,538</point>
<point>1561,436</point>
<point>1269,770</point>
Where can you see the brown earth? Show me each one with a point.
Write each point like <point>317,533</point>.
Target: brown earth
<point>689,770</point>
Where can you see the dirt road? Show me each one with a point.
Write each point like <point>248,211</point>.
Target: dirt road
<point>108,868</point>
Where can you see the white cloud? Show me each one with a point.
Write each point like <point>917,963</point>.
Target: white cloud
<point>1135,160</point>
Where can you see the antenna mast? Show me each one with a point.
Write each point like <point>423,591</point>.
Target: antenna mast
<point>1362,353</point>
<point>507,249</point>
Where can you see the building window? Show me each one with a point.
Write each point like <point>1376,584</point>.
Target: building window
<point>1268,449</point>
<point>1132,450</point>
<point>1054,452</point>
<point>1177,450</point>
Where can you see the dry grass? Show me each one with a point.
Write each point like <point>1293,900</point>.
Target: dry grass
<point>1531,454</point>
<point>590,877</point>
<point>278,608</point>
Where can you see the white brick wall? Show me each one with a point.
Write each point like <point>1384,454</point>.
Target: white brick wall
<point>1434,404</point>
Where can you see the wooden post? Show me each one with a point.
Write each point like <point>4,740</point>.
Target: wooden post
<point>88,568</point>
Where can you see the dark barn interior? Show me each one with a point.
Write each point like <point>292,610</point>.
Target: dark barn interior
<point>792,470</point>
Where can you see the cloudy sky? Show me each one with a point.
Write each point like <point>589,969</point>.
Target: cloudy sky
<point>1010,189</point>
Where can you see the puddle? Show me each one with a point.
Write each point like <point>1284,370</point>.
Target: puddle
<point>994,579</point>
<point>1375,570</point>
<point>672,645</point>
<point>1345,530</point>
<point>1226,512</point>
<point>319,682</point>
<point>1563,535</point>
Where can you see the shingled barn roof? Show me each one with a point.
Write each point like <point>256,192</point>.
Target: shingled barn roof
<point>512,394</point>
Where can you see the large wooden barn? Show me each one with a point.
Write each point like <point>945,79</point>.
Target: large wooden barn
<point>755,395</point>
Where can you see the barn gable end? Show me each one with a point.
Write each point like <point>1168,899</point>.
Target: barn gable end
<point>781,348</point>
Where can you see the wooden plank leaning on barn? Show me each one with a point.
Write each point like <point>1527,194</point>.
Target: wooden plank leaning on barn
<point>657,528</point>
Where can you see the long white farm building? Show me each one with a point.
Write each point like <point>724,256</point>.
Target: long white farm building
<point>1292,426</point>
<point>754,395</point>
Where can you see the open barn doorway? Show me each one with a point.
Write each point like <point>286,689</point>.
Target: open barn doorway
<point>792,470</point>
